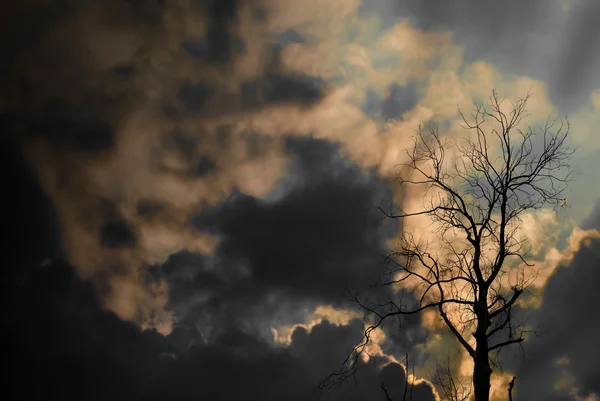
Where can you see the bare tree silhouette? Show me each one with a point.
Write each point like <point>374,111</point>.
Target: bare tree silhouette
<point>476,190</point>
<point>451,387</point>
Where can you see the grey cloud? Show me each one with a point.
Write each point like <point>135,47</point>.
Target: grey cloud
<point>54,88</point>
<point>25,26</point>
<point>149,11</point>
<point>47,79</point>
<point>187,273</point>
<point>29,222</point>
<point>290,36</point>
<point>148,209</point>
<point>76,127</point>
<point>250,368</point>
<point>578,71</point>
<point>186,146</point>
<point>221,43</point>
<point>569,329</point>
<point>321,235</point>
<point>274,86</point>
<point>279,88</point>
<point>203,166</point>
<point>63,343</point>
<point>401,98</point>
<point>535,38</point>
<point>194,96</point>
<point>316,349</point>
<point>115,230</point>
<point>317,237</point>
<point>593,219</point>
<point>54,91</point>
<point>201,49</point>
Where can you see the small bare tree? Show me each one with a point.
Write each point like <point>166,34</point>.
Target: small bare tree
<point>451,387</point>
<point>476,189</point>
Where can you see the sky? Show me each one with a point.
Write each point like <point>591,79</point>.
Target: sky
<point>191,191</point>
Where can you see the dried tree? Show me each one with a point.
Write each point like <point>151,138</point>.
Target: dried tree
<point>476,189</point>
<point>451,387</point>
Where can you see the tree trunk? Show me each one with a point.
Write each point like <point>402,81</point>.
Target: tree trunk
<point>482,371</point>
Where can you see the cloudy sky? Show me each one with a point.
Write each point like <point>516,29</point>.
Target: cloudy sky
<point>192,190</point>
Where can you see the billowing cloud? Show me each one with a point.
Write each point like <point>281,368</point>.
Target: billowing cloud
<point>62,337</point>
<point>506,34</point>
<point>313,241</point>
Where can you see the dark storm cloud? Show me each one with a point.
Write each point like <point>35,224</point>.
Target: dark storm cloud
<point>277,259</point>
<point>58,341</point>
<point>186,146</point>
<point>271,88</point>
<point>400,99</point>
<point>250,369</point>
<point>60,85</point>
<point>201,49</point>
<point>53,85</point>
<point>320,236</point>
<point>327,344</point>
<point>194,96</point>
<point>317,241</point>
<point>62,341</point>
<point>115,230</point>
<point>66,126</point>
<point>203,166</point>
<point>303,242</point>
<point>221,43</point>
<point>243,367</point>
<point>56,89</point>
<point>535,38</point>
<point>187,274</point>
<point>274,86</point>
<point>148,209</point>
<point>280,88</point>
<point>67,345</point>
<point>148,11</point>
<point>51,88</point>
<point>23,26</point>
<point>570,328</point>
<point>29,221</point>
<point>289,36</point>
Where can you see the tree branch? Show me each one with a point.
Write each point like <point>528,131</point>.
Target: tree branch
<point>507,305</point>
<point>505,343</point>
